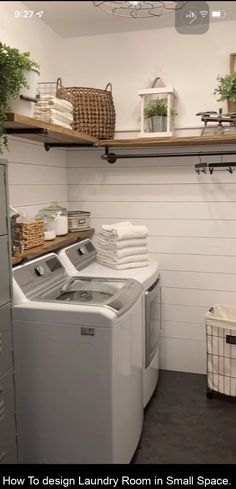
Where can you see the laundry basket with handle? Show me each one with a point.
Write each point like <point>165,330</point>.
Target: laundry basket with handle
<point>93,109</point>
<point>221,350</point>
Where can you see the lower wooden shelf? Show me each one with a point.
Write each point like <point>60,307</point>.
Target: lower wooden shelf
<point>54,245</point>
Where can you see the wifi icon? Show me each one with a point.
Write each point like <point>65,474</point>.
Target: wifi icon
<point>203,13</point>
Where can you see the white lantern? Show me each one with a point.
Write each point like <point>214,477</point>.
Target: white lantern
<point>157,111</point>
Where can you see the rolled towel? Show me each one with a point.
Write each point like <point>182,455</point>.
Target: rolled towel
<point>112,244</point>
<point>123,266</point>
<point>123,231</point>
<point>117,254</point>
<point>126,259</point>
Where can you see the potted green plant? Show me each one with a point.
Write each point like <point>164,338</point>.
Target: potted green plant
<point>14,68</point>
<point>227,90</point>
<point>156,111</point>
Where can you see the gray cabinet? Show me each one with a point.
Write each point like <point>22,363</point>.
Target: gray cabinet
<point>4,270</point>
<point>3,211</point>
<point>7,401</point>
<point>7,420</point>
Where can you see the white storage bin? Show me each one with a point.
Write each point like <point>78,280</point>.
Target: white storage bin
<point>221,350</point>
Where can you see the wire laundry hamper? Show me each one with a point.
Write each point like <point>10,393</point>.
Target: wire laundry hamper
<point>221,350</point>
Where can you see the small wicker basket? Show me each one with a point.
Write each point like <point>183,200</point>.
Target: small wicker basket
<point>30,234</point>
<point>94,110</point>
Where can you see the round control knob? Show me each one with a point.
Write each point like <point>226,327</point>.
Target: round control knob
<point>39,270</point>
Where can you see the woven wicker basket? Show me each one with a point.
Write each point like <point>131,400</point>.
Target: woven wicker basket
<point>94,110</point>
<point>30,234</point>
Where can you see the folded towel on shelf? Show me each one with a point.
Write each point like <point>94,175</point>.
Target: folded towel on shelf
<point>56,114</point>
<point>48,100</point>
<point>126,259</point>
<point>122,266</point>
<point>51,120</point>
<point>125,252</point>
<point>113,244</point>
<point>124,230</point>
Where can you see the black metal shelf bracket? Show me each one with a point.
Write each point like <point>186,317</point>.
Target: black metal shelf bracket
<point>113,157</point>
<point>26,130</point>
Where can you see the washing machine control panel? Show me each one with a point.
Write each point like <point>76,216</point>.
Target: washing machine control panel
<point>40,272</point>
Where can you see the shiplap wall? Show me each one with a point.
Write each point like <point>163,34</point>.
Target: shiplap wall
<point>36,177</point>
<point>192,225</point>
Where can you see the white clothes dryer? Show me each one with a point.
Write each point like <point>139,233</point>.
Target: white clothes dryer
<point>81,258</point>
<point>78,365</point>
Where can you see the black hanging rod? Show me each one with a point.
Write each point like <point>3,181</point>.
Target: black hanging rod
<point>226,165</point>
<point>113,157</point>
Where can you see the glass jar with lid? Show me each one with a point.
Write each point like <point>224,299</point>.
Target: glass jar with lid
<point>49,224</point>
<point>49,227</point>
<point>61,217</point>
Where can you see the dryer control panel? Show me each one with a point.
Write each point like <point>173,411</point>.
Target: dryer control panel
<point>82,254</point>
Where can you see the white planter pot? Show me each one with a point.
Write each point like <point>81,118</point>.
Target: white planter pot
<point>25,107</point>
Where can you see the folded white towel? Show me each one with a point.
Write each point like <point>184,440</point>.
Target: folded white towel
<point>123,231</point>
<point>123,266</point>
<point>56,114</point>
<point>117,254</point>
<point>51,120</point>
<point>47,99</point>
<point>112,244</point>
<point>126,259</point>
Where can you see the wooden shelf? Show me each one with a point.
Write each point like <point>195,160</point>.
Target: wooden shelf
<point>50,134</point>
<point>168,141</point>
<point>54,245</point>
<point>29,128</point>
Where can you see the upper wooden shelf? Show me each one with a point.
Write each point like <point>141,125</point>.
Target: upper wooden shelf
<point>53,135</point>
<point>168,141</point>
<point>29,128</point>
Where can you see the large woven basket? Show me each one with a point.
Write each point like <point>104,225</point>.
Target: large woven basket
<point>30,234</point>
<point>94,110</point>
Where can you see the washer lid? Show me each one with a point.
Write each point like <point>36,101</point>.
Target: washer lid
<point>118,295</point>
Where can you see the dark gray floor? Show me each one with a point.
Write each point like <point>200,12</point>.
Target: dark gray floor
<point>182,426</point>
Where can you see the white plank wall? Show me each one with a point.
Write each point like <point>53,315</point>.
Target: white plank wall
<point>36,177</point>
<point>192,225</point>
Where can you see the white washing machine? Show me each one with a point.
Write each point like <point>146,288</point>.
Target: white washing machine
<point>81,258</point>
<point>78,365</point>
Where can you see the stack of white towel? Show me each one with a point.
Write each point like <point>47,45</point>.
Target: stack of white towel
<point>122,245</point>
<point>54,111</point>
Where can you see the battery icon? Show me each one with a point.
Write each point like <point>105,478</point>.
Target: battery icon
<point>219,14</point>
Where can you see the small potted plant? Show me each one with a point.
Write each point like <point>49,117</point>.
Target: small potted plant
<point>227,90</point>
<point>16,72</point>
<point>156,111</point>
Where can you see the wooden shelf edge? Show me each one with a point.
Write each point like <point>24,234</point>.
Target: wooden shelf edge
<point>15,121</point>
<point>50,246</point>
<point>168,141</point>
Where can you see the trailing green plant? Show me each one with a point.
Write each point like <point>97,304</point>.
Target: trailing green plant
<point>12,80</point>
<point>157,108</point>
<point>226,88</point>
